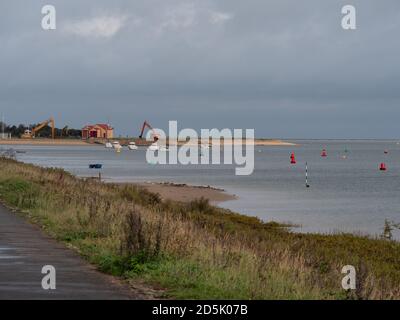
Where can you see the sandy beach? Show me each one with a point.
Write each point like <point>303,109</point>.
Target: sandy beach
<point>256,142</point>
<point>44,142</point>
<point>187,193</point>
<point>124,141</point>
<point>266,142</point>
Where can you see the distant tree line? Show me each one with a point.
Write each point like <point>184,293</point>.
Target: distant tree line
<point>45,132</point>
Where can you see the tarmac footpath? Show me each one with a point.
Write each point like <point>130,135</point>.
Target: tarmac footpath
<point>25,249</point>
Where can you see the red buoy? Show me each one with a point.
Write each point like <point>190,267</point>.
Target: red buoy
<point>323,153</point>
<point>382,167</point>
<point>292,158</point>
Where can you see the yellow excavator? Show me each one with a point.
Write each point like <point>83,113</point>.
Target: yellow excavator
<point>30,134</point>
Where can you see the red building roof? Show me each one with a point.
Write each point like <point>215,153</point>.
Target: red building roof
<point>101,125</point>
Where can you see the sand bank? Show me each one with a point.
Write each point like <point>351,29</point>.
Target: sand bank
<point>256,142</point>
<point>78,142</point>
<point>266,142</point>
<point>47,142</point>
<point>187,193</point>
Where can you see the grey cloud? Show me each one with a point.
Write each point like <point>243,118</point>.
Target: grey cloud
<point>284,67</point>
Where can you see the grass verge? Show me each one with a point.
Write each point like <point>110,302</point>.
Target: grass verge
<point>196,250</point>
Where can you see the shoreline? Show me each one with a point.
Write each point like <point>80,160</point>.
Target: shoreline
<point>124,141</point>
<point>44,142</point>
<point>185,193</point>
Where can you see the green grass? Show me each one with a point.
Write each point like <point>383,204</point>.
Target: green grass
<point>195,250</point>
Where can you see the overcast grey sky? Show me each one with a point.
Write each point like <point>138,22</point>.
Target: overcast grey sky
<point>283,67</point>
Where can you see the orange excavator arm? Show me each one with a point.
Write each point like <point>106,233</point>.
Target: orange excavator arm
<point>146,124</point>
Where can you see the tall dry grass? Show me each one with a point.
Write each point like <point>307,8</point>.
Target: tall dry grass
<point>196,250</point>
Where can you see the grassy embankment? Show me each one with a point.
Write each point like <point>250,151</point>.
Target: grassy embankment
<point>195,250</point>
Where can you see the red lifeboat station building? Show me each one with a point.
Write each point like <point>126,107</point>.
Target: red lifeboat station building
<point>102,131</point>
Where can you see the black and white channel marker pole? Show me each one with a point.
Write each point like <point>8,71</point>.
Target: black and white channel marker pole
<point>307,185</point>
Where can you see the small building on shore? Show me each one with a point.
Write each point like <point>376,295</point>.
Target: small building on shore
<point>100,130</point>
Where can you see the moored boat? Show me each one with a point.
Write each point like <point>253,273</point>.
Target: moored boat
<point>95,166</point>
<point>116,145</point>
<point>132,146</point>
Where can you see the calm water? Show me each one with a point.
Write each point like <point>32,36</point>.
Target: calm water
<point>345,195</point>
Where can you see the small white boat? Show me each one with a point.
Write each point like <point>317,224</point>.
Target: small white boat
<point>154,147</point>
<point>109,145</point>
<point>132,146</point>
<point>116,145</point>
<point>163,148</point>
